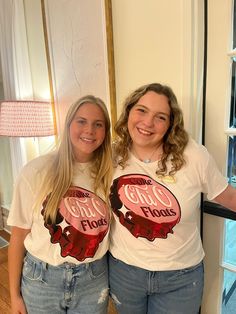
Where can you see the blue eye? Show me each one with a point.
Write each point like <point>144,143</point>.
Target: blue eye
<point>99,125</point>
<point>80,121</point>
<point>161,117</point>
<point>141,110</point>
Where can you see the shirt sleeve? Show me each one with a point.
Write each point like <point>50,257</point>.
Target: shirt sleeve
<point>21,211</point>
<point>214,182</point>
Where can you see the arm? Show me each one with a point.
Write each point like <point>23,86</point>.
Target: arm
<point>227,198</point>
<point>16,253</point>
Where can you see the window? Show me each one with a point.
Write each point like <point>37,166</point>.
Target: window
<point>229,248</point>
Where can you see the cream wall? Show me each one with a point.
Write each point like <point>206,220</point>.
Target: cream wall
<point>160,41</point>
<point>148,44</point>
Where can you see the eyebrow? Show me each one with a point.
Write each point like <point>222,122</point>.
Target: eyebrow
<point>159,112</point>
<point>81,117</point>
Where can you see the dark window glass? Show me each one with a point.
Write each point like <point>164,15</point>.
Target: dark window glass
<point>231,171</point>
<point>232,122</point>
<point>229,293</point>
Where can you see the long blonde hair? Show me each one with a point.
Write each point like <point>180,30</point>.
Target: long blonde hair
<point>59,175</point>
<point>175,140</point>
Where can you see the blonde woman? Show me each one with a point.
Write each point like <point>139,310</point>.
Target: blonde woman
<point>155,265</point>
<point>60,220</point>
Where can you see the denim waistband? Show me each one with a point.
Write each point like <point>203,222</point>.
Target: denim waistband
<point>64,265</point>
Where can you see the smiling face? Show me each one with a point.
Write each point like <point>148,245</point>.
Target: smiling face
<point>87,131</point>
<point>148,122</point>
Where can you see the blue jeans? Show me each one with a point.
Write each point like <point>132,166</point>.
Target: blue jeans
<point>66,288</point>
<point>139,291</point>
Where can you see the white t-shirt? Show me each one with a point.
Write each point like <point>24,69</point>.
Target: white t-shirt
<point>156,225</point>
<point>81,231</point>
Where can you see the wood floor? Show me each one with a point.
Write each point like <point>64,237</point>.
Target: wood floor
<point>4,282</point>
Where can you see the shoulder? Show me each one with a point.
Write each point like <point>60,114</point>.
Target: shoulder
<point>196,155</point>
<point>37,166</point>
<point>193,149</point>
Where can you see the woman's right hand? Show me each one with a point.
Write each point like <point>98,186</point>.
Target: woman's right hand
<point>18,306</point>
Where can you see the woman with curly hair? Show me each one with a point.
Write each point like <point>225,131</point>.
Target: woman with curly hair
<point>60,220</point>
<point>156,255</point>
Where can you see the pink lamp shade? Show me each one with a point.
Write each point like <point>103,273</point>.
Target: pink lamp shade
<point>24,118</point>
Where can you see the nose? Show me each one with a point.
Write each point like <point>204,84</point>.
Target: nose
<point>149,120</point>
<point>90,128</point>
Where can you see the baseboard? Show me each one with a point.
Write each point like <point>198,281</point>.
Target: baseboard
<point>8,230</point>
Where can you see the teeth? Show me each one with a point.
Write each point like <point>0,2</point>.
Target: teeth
<point>144,132</point>
<point>86,139</point>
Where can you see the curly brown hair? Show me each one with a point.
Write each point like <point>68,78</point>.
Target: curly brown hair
<point>175,139</point>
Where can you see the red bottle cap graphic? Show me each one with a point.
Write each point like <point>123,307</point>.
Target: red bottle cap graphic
<point>145,207</point>
<point>81,224</point>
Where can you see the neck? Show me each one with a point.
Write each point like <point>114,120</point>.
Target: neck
<point>145,157</point>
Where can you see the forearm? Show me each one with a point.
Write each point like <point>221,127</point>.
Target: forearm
<point>16,253</point>
<point>227,198</point>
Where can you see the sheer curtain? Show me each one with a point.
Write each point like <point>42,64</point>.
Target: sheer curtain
<point>16,72</point>
<point>21,80</point>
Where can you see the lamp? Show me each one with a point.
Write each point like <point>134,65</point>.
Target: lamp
<point>26,118</point>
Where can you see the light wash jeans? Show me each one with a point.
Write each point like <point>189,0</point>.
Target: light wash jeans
<point>67,288</point>
<point>138,291</point>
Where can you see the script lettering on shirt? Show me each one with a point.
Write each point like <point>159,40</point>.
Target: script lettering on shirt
<point>158,213</point>
<point>140,181</point>
<point>79,194</point>
<point>147,195</point>
<point>85,207</point>
<point>93,224</point>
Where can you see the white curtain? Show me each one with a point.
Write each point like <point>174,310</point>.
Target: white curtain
<point>16,72</point>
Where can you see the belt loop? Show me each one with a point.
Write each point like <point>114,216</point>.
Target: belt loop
<point>44,265</point>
